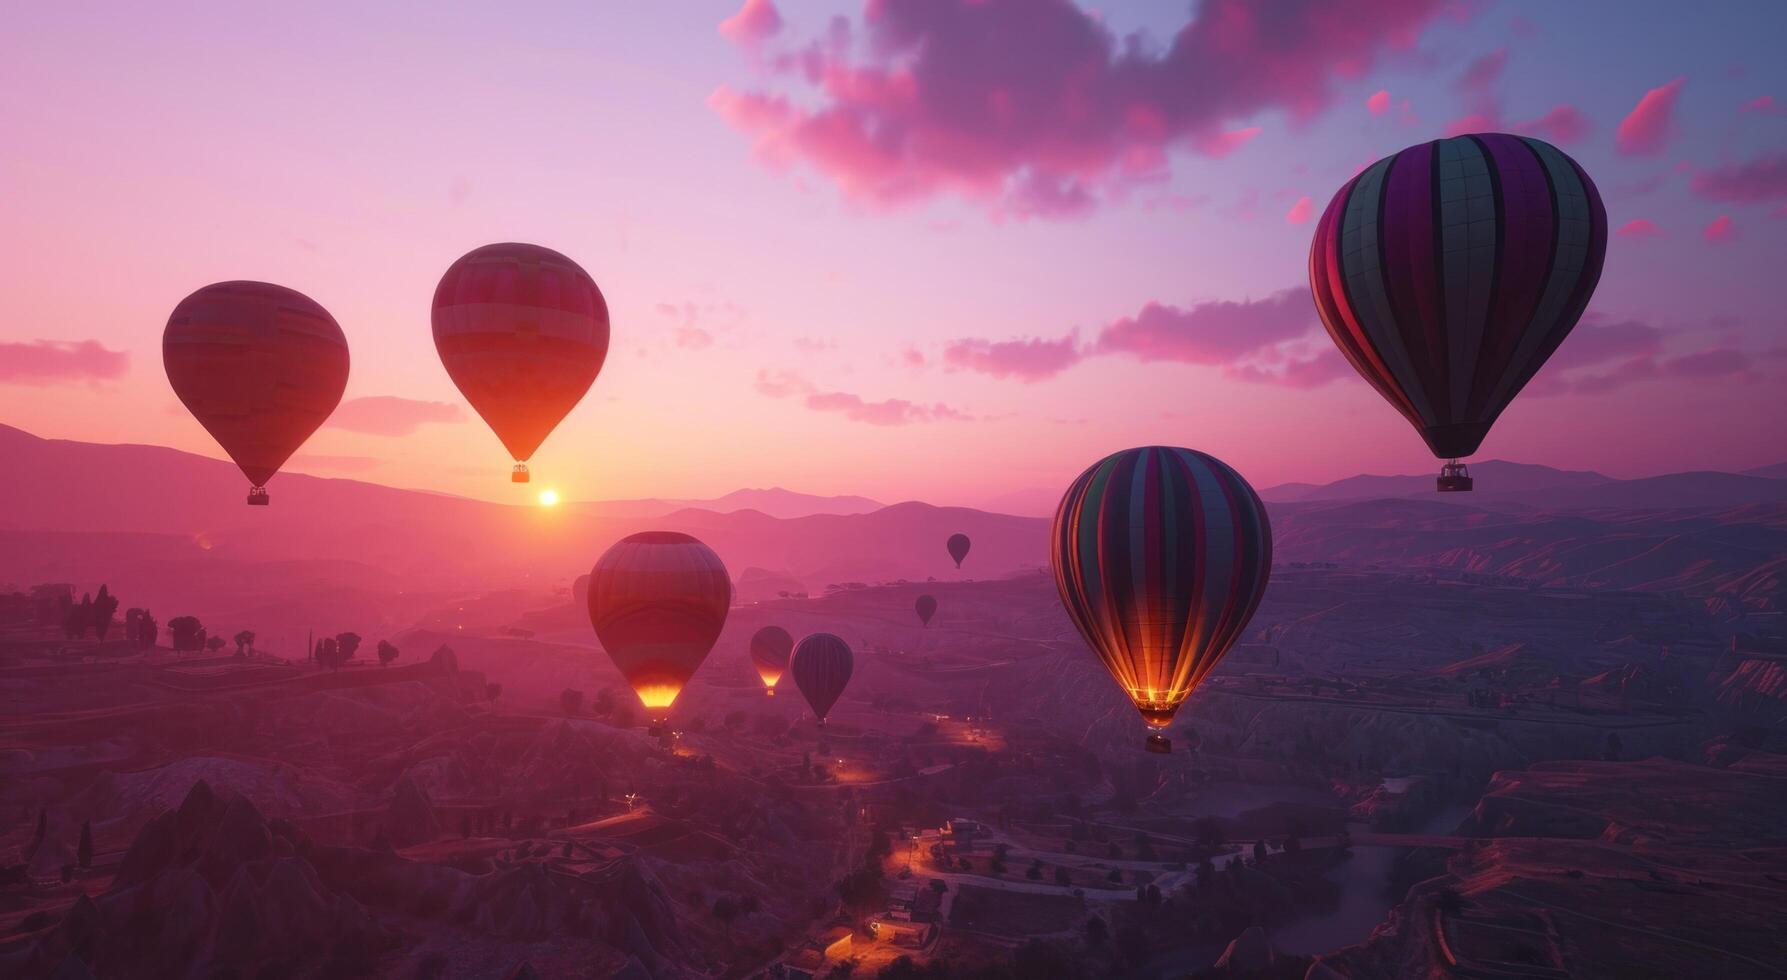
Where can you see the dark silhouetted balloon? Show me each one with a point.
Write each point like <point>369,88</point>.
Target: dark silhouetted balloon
<point>821,667</point>
<point>958,546</point>
<point>1448,273</point>
<point>260,366</point>
<point>926,607</point>
<point>523,332</point>
<point>770,647</point>
<point>1161,556</point>
<point>658,600</point>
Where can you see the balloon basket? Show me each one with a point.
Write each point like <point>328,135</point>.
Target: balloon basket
<point>769,692</point>
<point>1158,743</point>
<point>257,497</point>
<point>519,473</point>
<point>1455,478</point>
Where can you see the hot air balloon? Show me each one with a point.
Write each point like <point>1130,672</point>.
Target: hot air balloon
<point>1448,273</point>
<point>926,607</point>
<point>657,600</point>
<point>1161,556</point>
<point>523,332</point>
<point>958,546</point>
<point>821,668</point>
<point>260,366</point>
<point>770,647</point>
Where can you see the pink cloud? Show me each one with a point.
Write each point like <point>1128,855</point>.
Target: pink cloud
<point>1563,124</point>
<point>1215,332</point>
<point>1646,129</point>
<point>1761,179</point>
<point>692,338</point>
<point>1639,228</point>
<point>1379,102</point>
<point>1599,340</point>
<point>1033,106</point>
<point>1313,372</point>
<point>913,357</point>
<point>893,411</point>
<point>781,384</point>
<point>1763,105</point>
<point>1715,363</point>
<point>1482,73</point>
<point>1476,122</point>
<point>1300,211</point>
<point>47,362</point>
<point>388,415</point>
<point>1030,359</point>
<point>755,22</point>
<point>1719,229</point>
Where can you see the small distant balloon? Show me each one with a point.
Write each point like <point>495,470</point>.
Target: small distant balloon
<point>523,332</point>
<point>260,366</point>
<point>770,649</point>
<point>822,666</point>
<point>958,546</point>
<point>926,607</point>
<point>657,601</point>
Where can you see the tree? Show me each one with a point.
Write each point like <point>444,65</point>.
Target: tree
<point>328,654</point>
<point>148,630</point>
<point>74,622</point>
<point>186,633</point>
<point>570,700</point>
<point>1259,853</point>
<point>1115,877</point>
<point>1062,878</point>
<point>244,642</point>
<point>964,864</point>
<point>1096,932</point>
<point>84,853</point>
<point>1034,872</point>
<point>386,653</point>
<point>493,690</point>
<point>215,643</point>
<point>939,886</point>
<point>1210,831</point>
<point>345,645</point>
<point>104,605</point>
<point>1206,872</point>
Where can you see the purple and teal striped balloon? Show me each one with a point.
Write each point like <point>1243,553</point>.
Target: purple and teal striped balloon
<point>1448,273</point>
<point>1161,556</point>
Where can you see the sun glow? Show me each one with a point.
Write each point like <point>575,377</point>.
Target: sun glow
<point>548,498</point>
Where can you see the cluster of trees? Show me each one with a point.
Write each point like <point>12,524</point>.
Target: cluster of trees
<point>93,614</point>
<point>335,651</point>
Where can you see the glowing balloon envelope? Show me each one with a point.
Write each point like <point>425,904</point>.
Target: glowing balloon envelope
<point>1449,272</point>
<point>260,366</point>
<point>523,332</point>
<point>658,600</point>
<point>770,648</point>
<point>1161,556</point>
<point>926,607</point>
<point>958,545</point>
<point>822,666</point>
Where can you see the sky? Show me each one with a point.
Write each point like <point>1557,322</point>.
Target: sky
<point>912,249</point>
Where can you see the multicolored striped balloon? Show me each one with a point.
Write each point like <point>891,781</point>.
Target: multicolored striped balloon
<point>658,600</point>
<point>821,667</point>
<point>260,366</point>
<point>523,332</point>
<point>1448,273</point>
<point>1161,556</point>
<point>770,649</point>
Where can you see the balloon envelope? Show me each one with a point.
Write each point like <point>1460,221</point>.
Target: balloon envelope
<point>658,600</point>
<point>770,648</point>
<point>260,366</point>
<point>1448,273</point>
<point>1161,556</point>
<point>958,546</point>
<point>822,665</point>
<point>523,332</point>
<point>926,607</point>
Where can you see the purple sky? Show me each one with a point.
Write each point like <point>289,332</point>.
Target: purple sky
<point>946,250</point>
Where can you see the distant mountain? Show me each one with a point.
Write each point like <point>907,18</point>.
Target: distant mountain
<point>1502,485</point>
<point>1493,476</point>
<point>1775,472</point>
<point>774,501</point>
